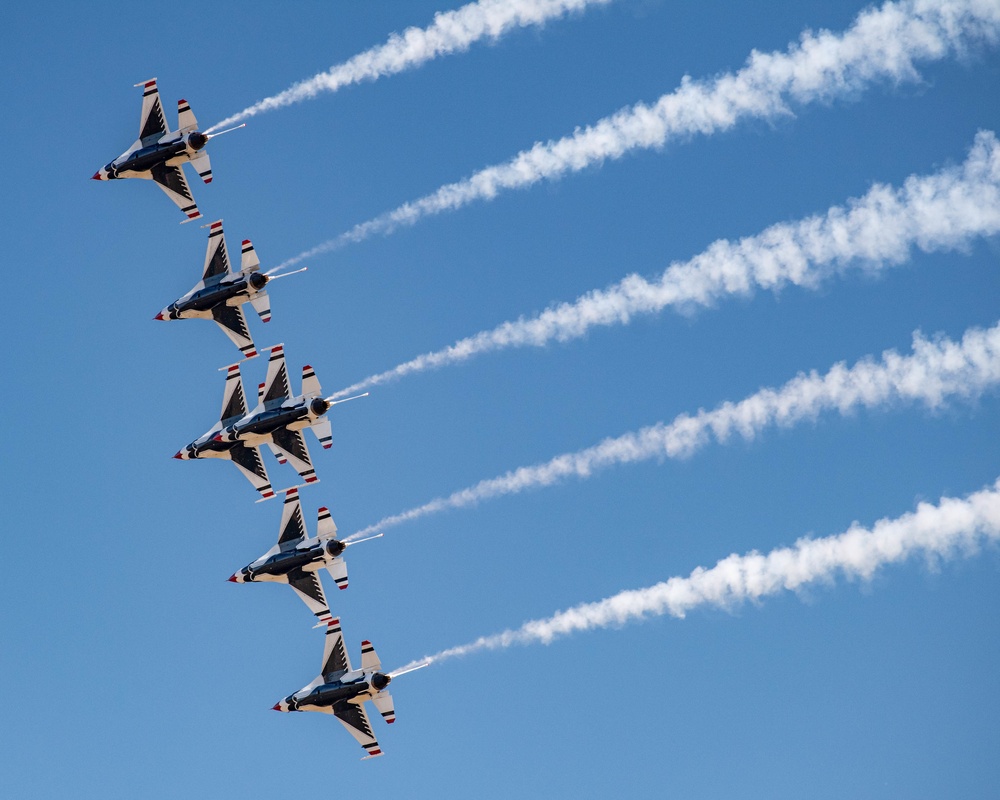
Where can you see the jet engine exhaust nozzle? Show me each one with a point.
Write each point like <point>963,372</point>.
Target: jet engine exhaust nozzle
<point>319,406</point>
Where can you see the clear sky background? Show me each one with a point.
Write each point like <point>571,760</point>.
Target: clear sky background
<point>129,667</point>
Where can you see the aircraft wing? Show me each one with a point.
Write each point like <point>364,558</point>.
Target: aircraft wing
<point>335,659</point>
<point>293,445</point>
<point>233,322</point>
<point>174,184</point>
<point>216,257</point>
<point>234,402</point>
<point>276,383</point>
<point>293,526</point>
<point>151,121</point>
<point>307,585</point>
<point>355,719</point>
<point>249,462</point>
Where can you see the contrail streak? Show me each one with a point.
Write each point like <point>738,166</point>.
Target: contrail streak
<point>882,44</point>
<point>936,371</point>
<point>951,528</point>
<point>451,32</point>
<point>945,210</point>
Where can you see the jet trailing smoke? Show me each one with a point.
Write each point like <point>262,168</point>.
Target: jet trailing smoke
<point>883,44</point>
<point>451,32</point>
<point>936,371</point>
<point>942,211</point>
<point>943,531</point>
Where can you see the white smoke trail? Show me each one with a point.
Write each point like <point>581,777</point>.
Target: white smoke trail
<point>951,528</point>
<point>936,212</point>
<point>881,45</point>
<point>451,32</point>
<point>936,371</point>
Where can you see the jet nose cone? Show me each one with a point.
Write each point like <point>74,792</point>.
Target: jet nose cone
<point>96,176</point>
<point>217,437</point>
<point>276,707</point>
<point>232,578</point>
<point>159,316</point>
<point>179,455</point>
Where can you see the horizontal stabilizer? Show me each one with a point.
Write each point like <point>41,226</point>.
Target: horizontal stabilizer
<point>310,383</point>
<point>326,528</point>
<point>383,702</point>
<point>203,167</point>
<point>369,658</point>
<point>186,121</point>
<point>324,432</point>
<point>338,571</point>
<point>262,305</point>
<point>249,261</point>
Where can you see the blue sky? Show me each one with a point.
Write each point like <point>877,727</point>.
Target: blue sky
<point>130,667</point>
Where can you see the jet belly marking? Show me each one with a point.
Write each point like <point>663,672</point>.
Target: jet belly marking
<point>309,559</point>
<point>258,428</point>
<point>348,689</point>
<point>201,302</point>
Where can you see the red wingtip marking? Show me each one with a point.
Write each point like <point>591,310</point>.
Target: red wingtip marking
<point>252,354</point>
<point>150,83</point>
<point>208,180</point>
<point>343,587</point>
<point>181,101</point>
<point>312,479</point>
<point>246,242</point>
<point>366,642</point>
<point>307,366</point>
<point>324,509</point>
<point>390,721</point>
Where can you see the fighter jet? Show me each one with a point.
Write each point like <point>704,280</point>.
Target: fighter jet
<point>297,560</point>
<point>158,152</point>
<point>246,457</point>
<point>341,691</point>
<point>221,292</point>
<point>278,419</point>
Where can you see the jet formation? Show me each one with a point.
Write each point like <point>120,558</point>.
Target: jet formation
<point>277,420</point>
